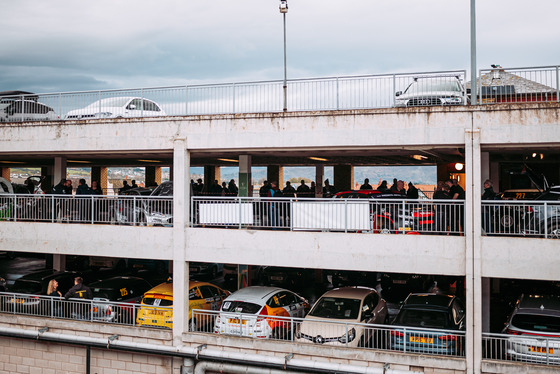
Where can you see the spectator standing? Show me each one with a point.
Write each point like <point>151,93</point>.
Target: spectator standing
<point>225,191</point>
<point>134,185</point>
<point>79,291</point>
<point>275,206</point>
<point>124,188</point>
<point>303,189</point>
<point>83,204</point>
<point>383,187</point>
<point>232,188</point>
<point>60,188</point>
<point>95,189</point>
<point>442,211</point>
<point>412,192</point>
<point>68,187</point>
<point>400,188</point>
<point>52,291</point>
<point>198,188</point>
<point>366,185</point>
<point>263,191</point>
<point>394,187</point>
<point>488,194</point>
<point>328,190</point>
<point>456,192</point>
<point>289,190</point>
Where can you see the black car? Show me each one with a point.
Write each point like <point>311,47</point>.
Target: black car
<point>544,219</point>
<point>114,298</point>
<point>286,277</point>
<point>434,324</point>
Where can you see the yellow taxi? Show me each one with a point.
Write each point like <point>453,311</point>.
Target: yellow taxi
<point>156,308</point>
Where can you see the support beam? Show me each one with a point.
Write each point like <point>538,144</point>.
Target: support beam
<point>5,173</point>
<point>59,262</point>
<point>181,204</point>
<point>473,250</point>
<point>319,176</point>
<point>152,176</point>
<point>275,173</point>
<point>343,177</point>
<point>101,175</point>
<point>211,173</point>
<point>59,170</point>
<point>245,178</point>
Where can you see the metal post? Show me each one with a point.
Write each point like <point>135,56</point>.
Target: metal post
<point>557,85</point>
<point>337,94</point>
<point>92,210</point>
<point>474,99</point>
<point>284,10</point>
<point>233,94</point>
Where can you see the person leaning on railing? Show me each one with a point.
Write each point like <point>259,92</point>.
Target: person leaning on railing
<point>52,291</point>
<point>79,291</point>
<point>488,194</point>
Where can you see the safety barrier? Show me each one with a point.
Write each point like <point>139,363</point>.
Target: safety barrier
<point>94,310</point>
<point>121,210</point>
<point>533,348</point>
<point>332,333</point>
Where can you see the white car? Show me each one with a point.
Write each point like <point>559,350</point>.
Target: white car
<point>260,312</point>
<point>432,91</point>
<point>26,110</point>
<point>118,107</point>
<point>340,316</point>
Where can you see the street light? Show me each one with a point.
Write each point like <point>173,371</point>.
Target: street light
<point>284,10</point>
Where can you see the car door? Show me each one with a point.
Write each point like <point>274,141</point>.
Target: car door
<point>211,296</point>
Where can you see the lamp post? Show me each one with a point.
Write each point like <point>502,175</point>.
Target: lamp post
<point>474,86</point>
<point>284,10</point>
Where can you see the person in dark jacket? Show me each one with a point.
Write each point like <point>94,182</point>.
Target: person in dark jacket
<point>412,192</point>
<point>487,210</point>
<point>59,189</point>
<point>79,310</point>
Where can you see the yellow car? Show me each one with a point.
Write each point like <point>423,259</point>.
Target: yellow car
<point>157,304</point>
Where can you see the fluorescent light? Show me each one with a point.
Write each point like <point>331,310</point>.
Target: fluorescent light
<point>318,159</point>
<point>12,162</point>
<point>227,159</point>
<point>149,160</point>
<point>419,157</point>
<point>79,162</point>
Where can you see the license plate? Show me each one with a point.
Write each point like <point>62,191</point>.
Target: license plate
<point>418,339</point>
<point>157,312</point>
<point>94,309</point>
<point>236,321</point>
<point>541,350</point>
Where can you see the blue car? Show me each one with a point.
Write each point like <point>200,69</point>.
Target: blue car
<point>430,323</point>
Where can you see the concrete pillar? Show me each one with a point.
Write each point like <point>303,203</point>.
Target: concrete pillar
<point>181,197</point>
<point>495,175</point>
<point>442,172</point>
<point>101,175</point>
<point>472,250</point>
<point>211,173</point>
<point>59,169</point>
<point>484,166</point>
<point>275,173</point>
<point>152,176</point>
<point>5,173</point>
<point>319,175</point>
<point>343,177</point>
<point>47,174</point>
<point>245,179</point>
<point>59,262</point>
<point>486,292</point>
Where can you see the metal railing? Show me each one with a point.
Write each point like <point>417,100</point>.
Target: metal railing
<point>95,310</point>
<point>517,85</point>
<point>330,93</point>
<point>347,215</point>
<point>330,333</point>
<point>521,218</point>
<point>121,210</point>
<point>534,349</point>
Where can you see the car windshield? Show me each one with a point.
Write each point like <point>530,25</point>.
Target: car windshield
<point>241,307</point>
<point>110,102</point>
<point>535,322</point>
<point>26,286</point>
<point>423,318</point>
<point>337,308</point>
<point>432,85</point>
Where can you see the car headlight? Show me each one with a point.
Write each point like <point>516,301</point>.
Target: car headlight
<point>452,100</point>
<point>103,115</point>
<point>401,102</point>
<point>350,336</point>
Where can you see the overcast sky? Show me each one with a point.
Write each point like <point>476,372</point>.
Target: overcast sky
<point>69,45</point>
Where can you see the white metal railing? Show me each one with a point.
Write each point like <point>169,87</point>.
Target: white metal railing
<point>514,85</point>
<point>331,333</point>
<point>521,218</point>
<point>397,216</point>
<point>94,310</point>
<point>536,349</point>
<point>125,210</point>
<point>330,93</point>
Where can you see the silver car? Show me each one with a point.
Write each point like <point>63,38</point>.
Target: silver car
<point>534,326</point>
<point>432,91</point>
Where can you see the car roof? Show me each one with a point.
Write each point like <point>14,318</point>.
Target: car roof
<point>116,281</point>
<point>167,287</point>
<point>255,294</point>
<point>355,292</point>
<point>539,304</point>
<point>428,300</point>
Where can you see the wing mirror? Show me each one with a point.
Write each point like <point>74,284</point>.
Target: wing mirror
<point>132,106</point>
<point>398,93</point>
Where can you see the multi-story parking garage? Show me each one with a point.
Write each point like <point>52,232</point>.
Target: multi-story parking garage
<point>232,231</point>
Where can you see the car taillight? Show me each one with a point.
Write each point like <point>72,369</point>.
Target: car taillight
<point>512,332</point>
<point>396,333</point>
<point>264,312</point>
<point>530,209</point>
<point>448,337</point>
